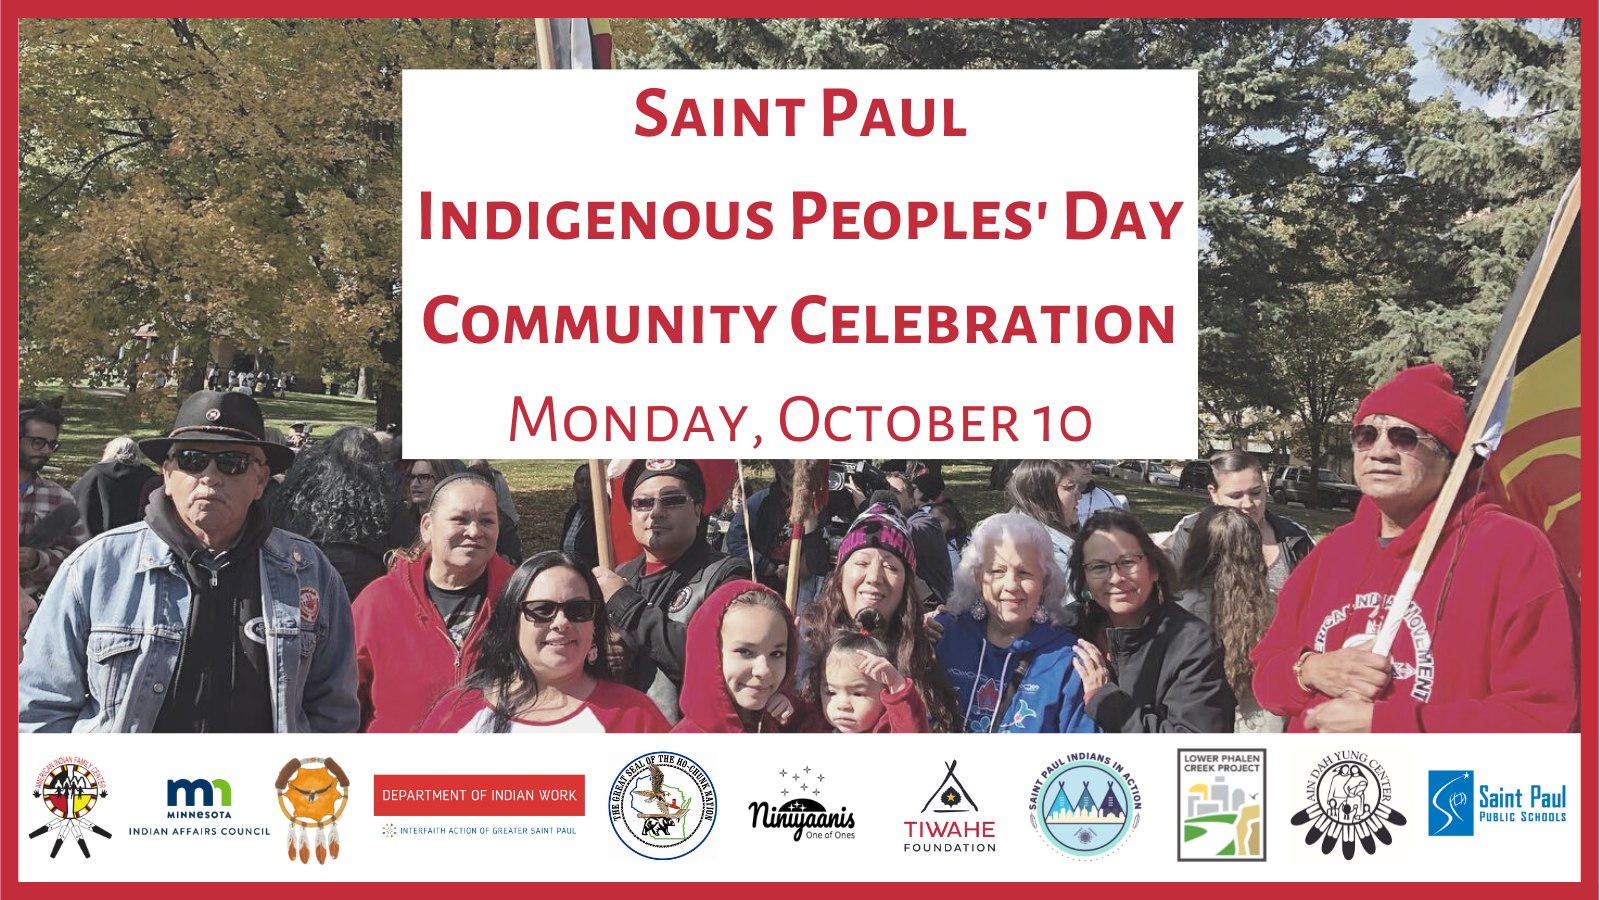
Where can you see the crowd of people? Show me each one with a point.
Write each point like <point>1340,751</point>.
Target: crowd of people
<point>250,587</point>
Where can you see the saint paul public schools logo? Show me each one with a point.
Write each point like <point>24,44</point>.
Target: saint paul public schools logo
<point>69,788</point>
<point>662,805</point>
<point>1086,806</point>
<point>1457,803</point>
<point>1450,803</point>
<point>1349,797</point>
<point>799,807</point>
<point>1222,805</point>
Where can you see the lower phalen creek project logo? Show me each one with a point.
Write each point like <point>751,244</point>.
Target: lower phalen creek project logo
<point>313,793</point>
<point>69,787</point>
<point>1349,796</point>
<point>1086,805</point>
<point>799,807</point>
<point>662,805</point>
<point>1222,805</point>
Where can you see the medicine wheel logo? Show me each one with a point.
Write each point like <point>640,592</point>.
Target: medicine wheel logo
<point>1086,807</point>
<point>662,805</point>
<point>1349,795</point>
<point>69,787</point>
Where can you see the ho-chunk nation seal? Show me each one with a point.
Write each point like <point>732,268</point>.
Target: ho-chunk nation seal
<point>662,805</point>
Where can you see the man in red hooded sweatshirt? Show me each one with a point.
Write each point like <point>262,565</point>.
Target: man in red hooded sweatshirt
<point>1488,643</point>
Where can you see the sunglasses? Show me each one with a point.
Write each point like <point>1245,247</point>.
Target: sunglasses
<point>1401,437</point>
<point>425,476</point>
<point>542,611</point>
<point>667,501</point>
<point>229,462</point>
<point>39,443</point>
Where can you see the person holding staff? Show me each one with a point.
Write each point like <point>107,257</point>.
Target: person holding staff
<point>1507,658</point>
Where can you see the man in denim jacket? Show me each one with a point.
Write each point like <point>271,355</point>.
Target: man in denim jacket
<point>203,617</point>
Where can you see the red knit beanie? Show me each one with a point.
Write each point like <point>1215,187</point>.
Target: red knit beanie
<point>1423,396</point>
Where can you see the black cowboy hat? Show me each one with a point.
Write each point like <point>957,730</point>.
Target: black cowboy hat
<point>222,416</point>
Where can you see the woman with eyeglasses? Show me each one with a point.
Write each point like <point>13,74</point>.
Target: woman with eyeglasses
<point>542,662</point>
<point>417,627</point>
<point>1148,665</point>
<point>418,478</point>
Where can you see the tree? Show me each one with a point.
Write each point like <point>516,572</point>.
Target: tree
<point>1305,186</point>
<point>1503,171</point>
<point>1316,361</point>
<point>224,178</point>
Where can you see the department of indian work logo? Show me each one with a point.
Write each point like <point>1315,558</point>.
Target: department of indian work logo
<point>949,821</point>
<point>799,807</point>
<point>69,788</point>
<point>1086,805</point>
<point>1222,805</point>
<point>1348,797</point>
<point>662,805</point>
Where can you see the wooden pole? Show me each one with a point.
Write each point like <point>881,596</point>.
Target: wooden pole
<point>802,484</point>
<point>602,514</point>
<point>547,47</point>
<point>1487,400</point>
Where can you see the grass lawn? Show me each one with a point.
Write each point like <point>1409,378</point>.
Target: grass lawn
<point>543,487</point>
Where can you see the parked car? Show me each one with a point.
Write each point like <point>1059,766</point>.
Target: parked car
<point>1196,474</point>
<point>1294,483</point>
<point>1144,471</point>
<point>1101,467</point>
<point>1128,470</point>
<point>1160,476</point>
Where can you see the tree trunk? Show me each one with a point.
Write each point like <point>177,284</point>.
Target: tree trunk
<point>187,358</point>
<point>361,384</point>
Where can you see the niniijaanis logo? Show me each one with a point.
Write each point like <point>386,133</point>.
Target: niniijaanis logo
<point>1456,804</point>
<point>949,822</point>
<point>799,807</point>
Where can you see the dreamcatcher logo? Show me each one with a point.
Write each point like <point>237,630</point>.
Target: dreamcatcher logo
<point>70,787</point>
<point>313,794</point>
<point>1349,796</point>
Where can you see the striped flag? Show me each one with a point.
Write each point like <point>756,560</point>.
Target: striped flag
<point>1534,468</point>
<point>580,43</point>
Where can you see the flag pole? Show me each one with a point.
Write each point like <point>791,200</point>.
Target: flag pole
<point>546,46</point>
<point>802,485</point>
<point>602,514</point>
<point>1488,398</point>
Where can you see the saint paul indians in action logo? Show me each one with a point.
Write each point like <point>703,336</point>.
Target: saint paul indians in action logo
<point>1085,806</point>
<point>662,805</point>
<point>1349,797</point>
<point>69,787</point>
<point>313,794</point>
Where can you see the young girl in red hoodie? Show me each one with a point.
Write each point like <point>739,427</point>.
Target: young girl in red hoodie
<point>860,690</point>
<point>738,664</point>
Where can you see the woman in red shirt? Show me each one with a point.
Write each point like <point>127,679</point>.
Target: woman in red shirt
<point>542,662</point>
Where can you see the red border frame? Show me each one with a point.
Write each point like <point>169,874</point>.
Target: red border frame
<point>1590,640</point>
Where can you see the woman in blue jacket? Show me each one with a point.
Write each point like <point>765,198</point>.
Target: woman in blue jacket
<point>1001,643</point>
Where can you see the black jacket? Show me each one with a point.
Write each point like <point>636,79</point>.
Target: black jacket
<point>1294,537</point>
<point>1167,674</point>
<point>110,494</point>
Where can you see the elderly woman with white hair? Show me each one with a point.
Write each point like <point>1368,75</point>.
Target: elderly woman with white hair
<point>1001,641</point>
<point>111,493</point>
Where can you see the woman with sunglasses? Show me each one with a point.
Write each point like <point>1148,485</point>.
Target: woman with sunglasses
<point>542,662</point>
<point>1148,665</point>
<point>417,627</point>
